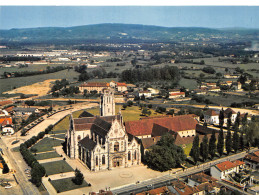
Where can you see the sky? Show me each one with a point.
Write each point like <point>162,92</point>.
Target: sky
<point>168,16</point>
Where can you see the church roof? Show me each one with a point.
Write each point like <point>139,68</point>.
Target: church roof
<point>85,114</point>
<point>87,143</point>
<point>145,127</point>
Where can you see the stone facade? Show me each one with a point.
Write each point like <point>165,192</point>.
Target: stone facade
<point>107,104</point>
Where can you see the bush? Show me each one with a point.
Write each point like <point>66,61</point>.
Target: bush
<point>79,177</point>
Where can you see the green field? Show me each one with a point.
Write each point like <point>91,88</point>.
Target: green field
<point>47,155</point>
<point>62,185</point>
<point>188,83</point>
<point>61,136</point>
<point>10,83</point>
<point>47,144</point>
<point>57,167</point>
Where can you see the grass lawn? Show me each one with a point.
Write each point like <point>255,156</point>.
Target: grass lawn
<point>187,149</point>
<point>188,83</point>
<point>47,144</point>
<point>47,155</point>
<point>62,185</point>
<point>57,167</point>
<point>63,125</point>
<point>16,149</point>
<point>61,136</point>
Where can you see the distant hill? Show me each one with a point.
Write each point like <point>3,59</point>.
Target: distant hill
<point>122,32</point>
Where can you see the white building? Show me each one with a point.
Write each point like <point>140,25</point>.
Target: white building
<point>222,170</point>
<point>147,94</point>
<point>101,142</point>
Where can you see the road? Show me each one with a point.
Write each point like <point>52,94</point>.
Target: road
<point>163,180</point>
<point>27,187</point>
<point>15,160</point>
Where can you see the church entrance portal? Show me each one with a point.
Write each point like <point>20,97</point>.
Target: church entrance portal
<point>117,161</point>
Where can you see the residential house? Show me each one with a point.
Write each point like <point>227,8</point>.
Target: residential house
<point>122,87</point>
<point>222,170</point>
<point>211,117</point>
<point>94,86</point>
<point>19,111</point>
<point>175,95</point>
<point>146,93</point>
<point>236,86</point>
<point>6,125</point>
<point>5,103</point>
<point>252,160</point>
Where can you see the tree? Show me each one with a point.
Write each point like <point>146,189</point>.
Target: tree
<point>237,122</point>
<point>229,120</point>
<point>143,97</point>
<point>221,118</point>
<point>212,145</point>
<point>220,144</point>
<point>195,152</point>
<point>244,120</point>
<point>241,142</point>
<point>252,134</point>
<point>79,177</point>
<point>229,142</point>
<point>235,141</point>
<point>129,103</point>
<point>124,106</point>
<point>165,155</point>
<point>145,112</point>
<point>204,150</point>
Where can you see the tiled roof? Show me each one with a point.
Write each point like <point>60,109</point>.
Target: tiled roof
<point>228,110</point>
<point>5,121</point>
<point>252,158</point>
<point>81,127</point>
<point>256,153</point>
<point>95,84</point>
<point>207,187</point>
<point>201,178</point>
<point>1,166</point>
<point>9,109</point>
<point>161,190</point>
<point>6,102</point>
<point>176,93</point>
<point>211,112</point>
<point>204,130</point>
<point>148,142</point>
<point>144,127</point>
<point>87,143</point>
<point>19,109</point>
<point>122,84</point>
<point>182,188</point>
<point>85,114</point>
<point>228,165</point>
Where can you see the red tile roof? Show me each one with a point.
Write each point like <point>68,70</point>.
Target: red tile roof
<point>6,102</point>
<point>211,112</point>
<point>161,190</point>
<point>182,188</point>
<point>144,127</point>
<point>252,158</point>
<point>256,153</point>
<point>177,93</point>
<point>6,121</point>
<point>93,84</point>
<point>228,165</point>
<point>122,84</point>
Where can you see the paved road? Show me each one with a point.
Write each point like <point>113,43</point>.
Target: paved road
<point>27,187</point>
<point>142,186</point>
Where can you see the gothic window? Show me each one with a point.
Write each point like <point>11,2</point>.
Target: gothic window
<point>78,138</point>
<point>129,155</point>
<point>116,147</point>
<point>135,155</point>
<point>96,160</point>
<point>103,160</point>
<point>122,145</point>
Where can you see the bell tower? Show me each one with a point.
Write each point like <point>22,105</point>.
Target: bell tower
<point>107,103</point>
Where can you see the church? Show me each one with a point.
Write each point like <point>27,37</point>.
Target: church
<point>101,142</point>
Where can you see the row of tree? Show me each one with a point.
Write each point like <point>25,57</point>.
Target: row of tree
<point>37,171</point>
<point>5,166</point>
<point>138,75</point>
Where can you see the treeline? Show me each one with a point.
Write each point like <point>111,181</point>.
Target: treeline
<point>60,88</point>
<point>31,73</point>
<point>37,171</point>
<point>138,75</point>
<point>16,58</point>
<point>5,166</point>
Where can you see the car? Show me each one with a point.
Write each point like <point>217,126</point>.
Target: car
<point>149,186</point>
<point>8,186</point>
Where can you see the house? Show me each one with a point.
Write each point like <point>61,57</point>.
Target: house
<point>25,111</point>
<point>6,125</point>
<point>183,125</point>
<point>181,188</point>
<point>3,113</point>
<point>203,183</point>
<point>215,89</point>
<point>252,161</point>
<point>94,86</point>
<point>211,84</point>
<point>200,91</point>
<point>211,117</point>
<point>174,95</point>
<point>233,116</point>
<point>222,170</point>
<point>5,103</point>
<point>236,86</point>
<point>146,93</point>
<point>153,91</point>
<point>121,87</point>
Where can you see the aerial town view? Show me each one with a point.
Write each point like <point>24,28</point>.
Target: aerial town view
<point>129,100</point>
